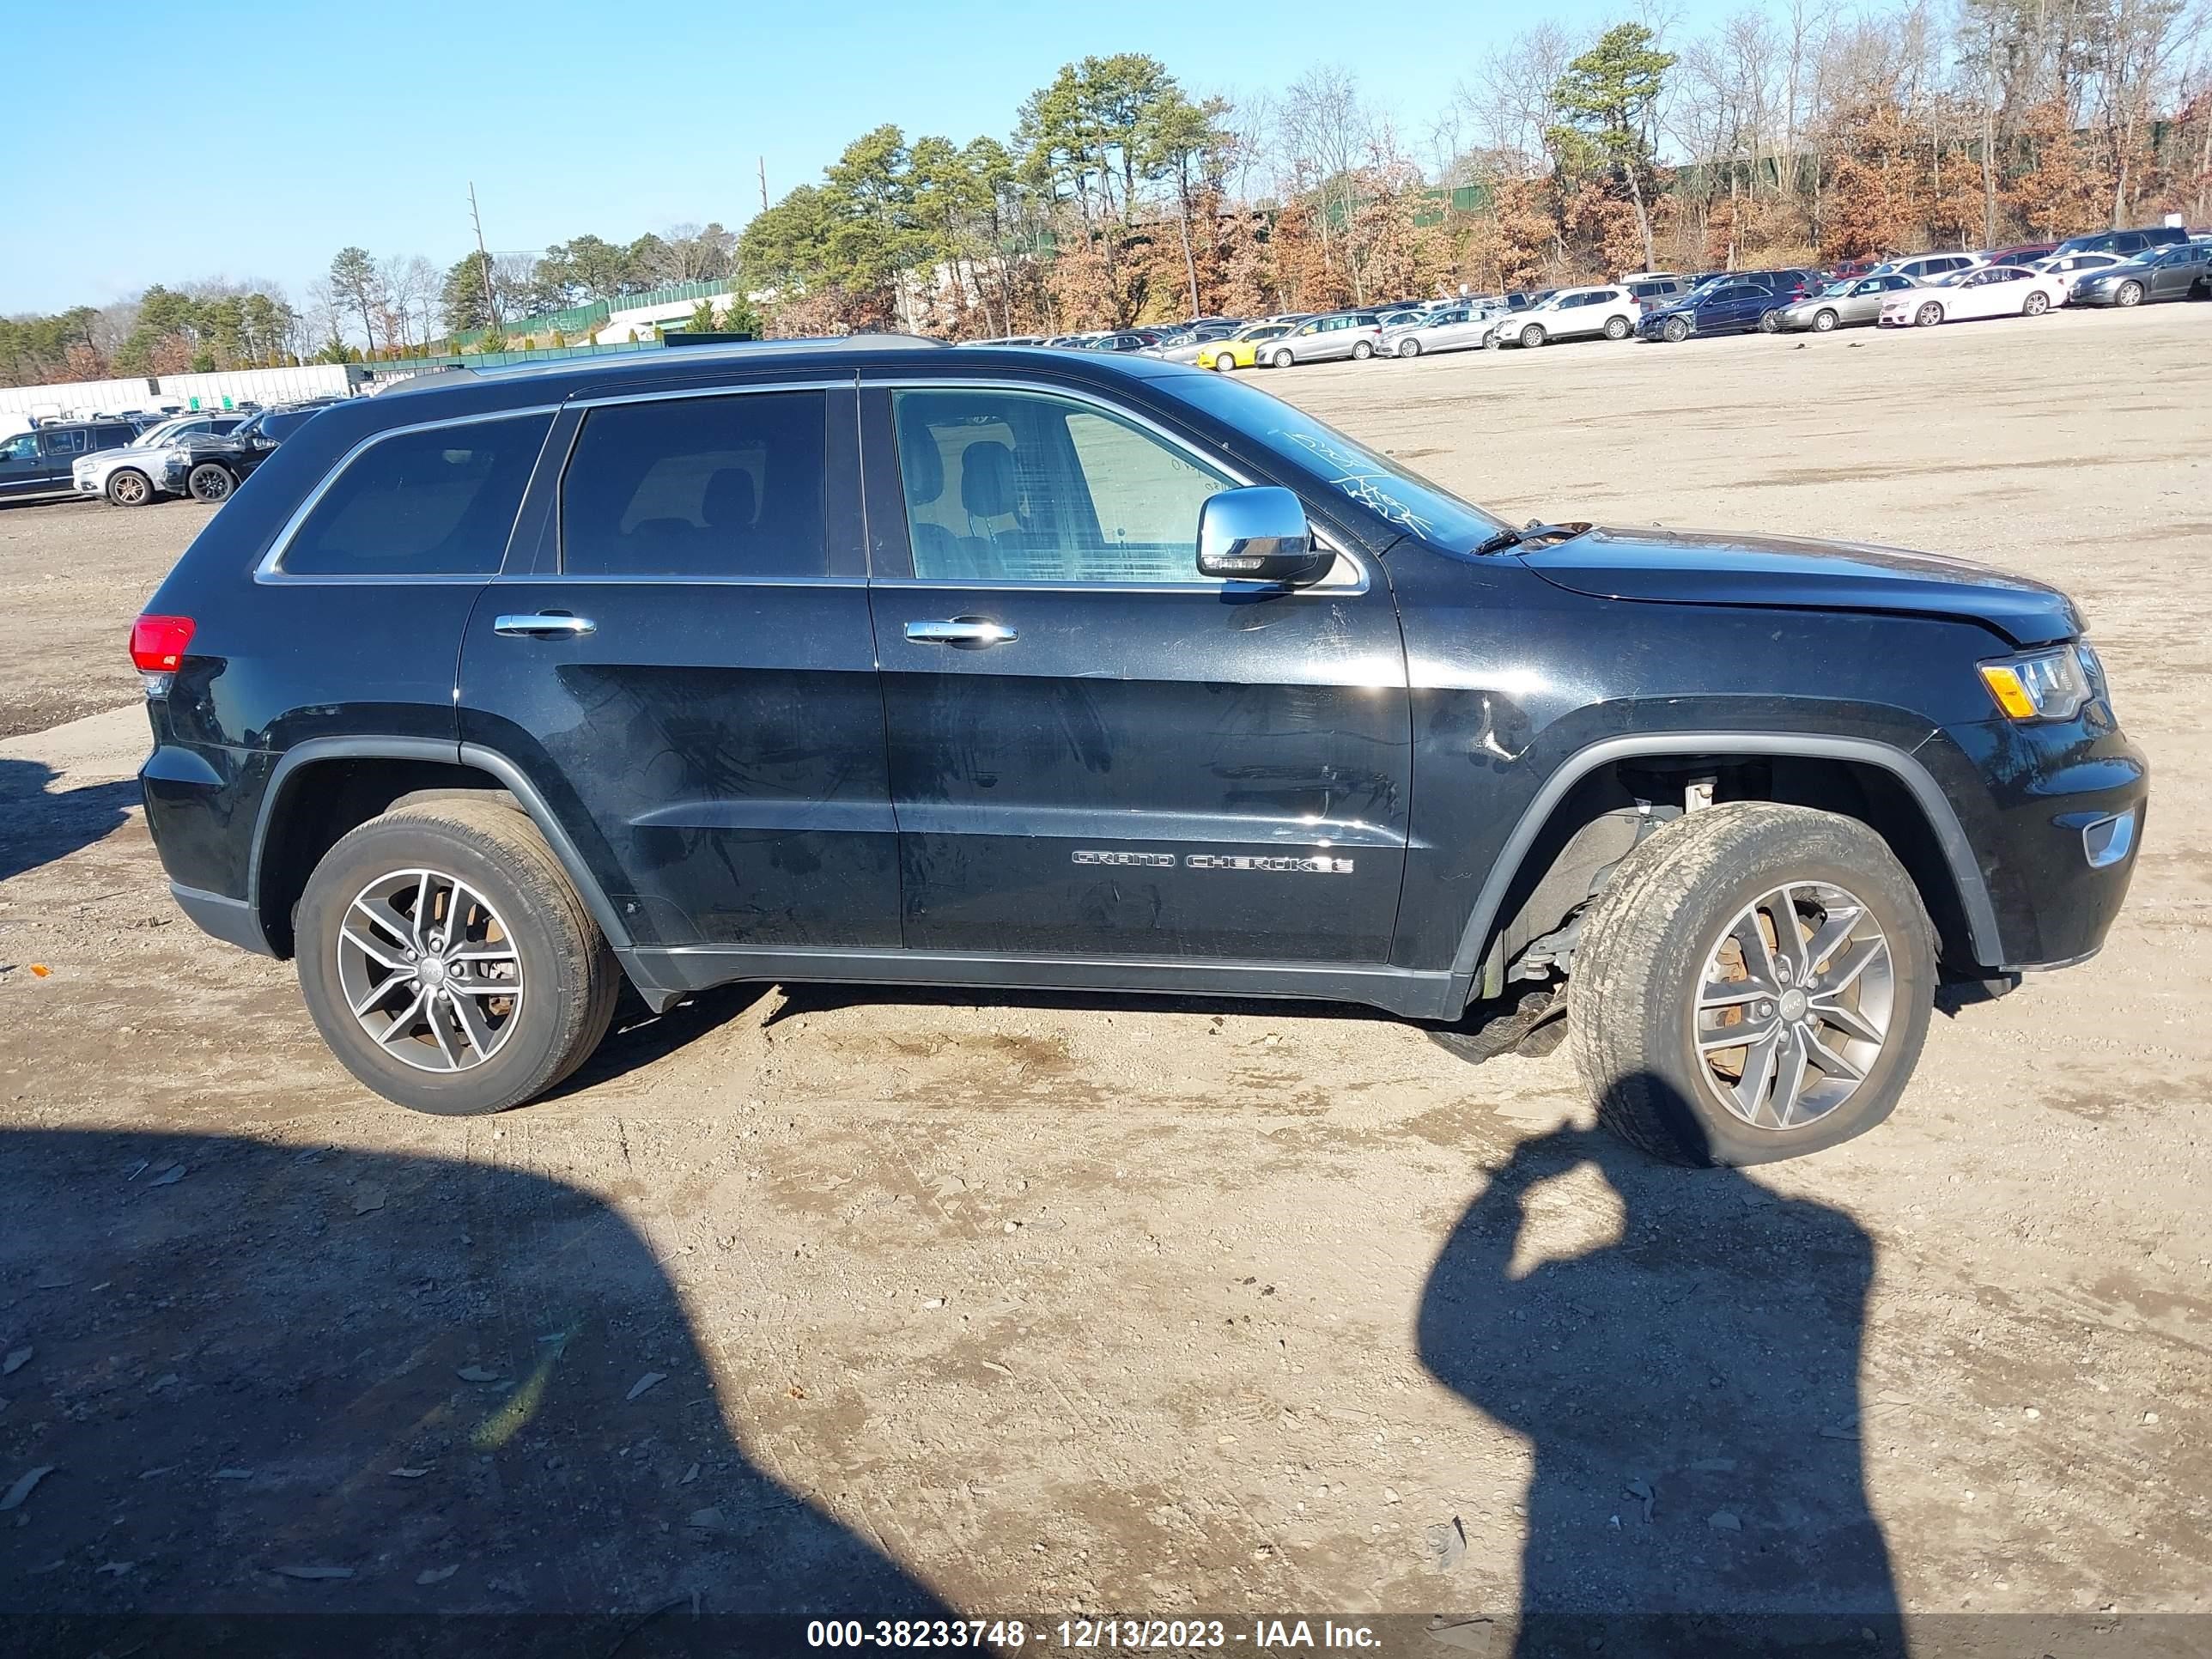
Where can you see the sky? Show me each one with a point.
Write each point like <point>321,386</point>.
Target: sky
<point>259,148</point>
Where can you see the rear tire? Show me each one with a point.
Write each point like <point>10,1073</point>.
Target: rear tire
<point>210,483</point>
<point>1769,322</point>
<point>129,489</point>
<point>2036,304</point>
<point>1616,328</point>
<point>518,897</point>
<point>1361,351</point>
<point>1640,998</point>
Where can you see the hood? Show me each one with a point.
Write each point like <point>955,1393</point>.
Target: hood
<point>1783,573</point>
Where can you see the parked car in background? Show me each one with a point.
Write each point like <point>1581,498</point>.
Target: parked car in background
<point>1240,349</point>
<point>2179,271</point>
<point>1843,304</point>
<point>1459,329</point>
<point>1008,340</point>
<point>190,456</point>
<point>2027,253</point>
<point>1572,313</point>
<point>1733,306</point>
<point>1184,345</point>
<point>1927,267</point>
<point>2125,243</point>
<point>1850,268</point>
<point>1653,292</point>
<point>2072,266</point>
<point>1128,339</point>
<point>1338,334</point>
<point>1964,296</point>
<point>40,462</point>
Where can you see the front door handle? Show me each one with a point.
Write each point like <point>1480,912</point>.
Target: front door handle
<point>961,630</point>
<point>549,626</point>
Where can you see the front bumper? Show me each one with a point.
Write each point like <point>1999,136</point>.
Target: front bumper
<point>2056,813</point>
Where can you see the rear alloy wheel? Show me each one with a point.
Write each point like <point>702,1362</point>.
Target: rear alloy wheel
<point>1928,316</point>
<point>448,961</point>
<point>1754,983</point>
<point>129,489</point>
<point>1823,321</point>
<point>1532,336</point>
<point>2036,304</point>
<point>1283,359</point>
<point>1676,331</point>
<point>1616,328</point>
<point>1769,322</point>
<point>210,483</point>
<point>2130,294</point>
<point>1409,347</point>
<point>1361,351</point>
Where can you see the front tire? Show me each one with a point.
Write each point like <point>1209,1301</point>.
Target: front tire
<point>448,961</point>
<point>1223,362</point>
<point>1675,331</point>
<point>210,483</point>
<point>1824,321</point>
<point>2130,294</point>
<point>1928,316</point>
<point>1796,927</point>
<point>1409,347</point>
<point>129,489</point>
<point>1282,359</point>
<point>1531,337</point>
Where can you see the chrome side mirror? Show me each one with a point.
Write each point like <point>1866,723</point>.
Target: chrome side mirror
<point>1258,534</point>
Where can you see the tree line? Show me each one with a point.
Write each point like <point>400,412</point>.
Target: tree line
<point>1785,134</point>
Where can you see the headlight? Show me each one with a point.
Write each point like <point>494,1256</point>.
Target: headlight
<point>2043,685</point>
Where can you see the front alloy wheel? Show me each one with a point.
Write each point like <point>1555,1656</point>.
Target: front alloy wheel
<point>1823,321</point>
<point>1283,359</point>
<point>1928,315</point>
<point>1409,347</point>
<point>1531,337</point>
<point>2130,294</point>
<point>1676,330</point>
<point>1794,1004</point>
<point>129,489</point>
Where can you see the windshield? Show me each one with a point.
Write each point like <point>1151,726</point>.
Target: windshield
<point>1836,291</point>
<point>161,433</point>
<point>1394,492</point>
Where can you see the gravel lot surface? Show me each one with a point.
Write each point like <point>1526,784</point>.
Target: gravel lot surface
<point>1043,1305</point>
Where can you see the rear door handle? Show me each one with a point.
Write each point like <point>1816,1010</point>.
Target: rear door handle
<point>544,627</point>
<point>961,630</point>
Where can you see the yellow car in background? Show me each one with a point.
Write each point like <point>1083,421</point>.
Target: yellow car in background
<point>1241,349</point>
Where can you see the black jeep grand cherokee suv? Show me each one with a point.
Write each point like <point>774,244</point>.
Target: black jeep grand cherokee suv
<point>871,660</point>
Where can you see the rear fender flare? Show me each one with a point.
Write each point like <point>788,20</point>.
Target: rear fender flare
<point>511,778</point>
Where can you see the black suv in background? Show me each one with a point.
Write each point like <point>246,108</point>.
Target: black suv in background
<point>875,660</point>
<point>2125,243</point>
<point>40,462</point>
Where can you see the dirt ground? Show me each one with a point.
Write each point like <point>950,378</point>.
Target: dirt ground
<point>1035,1306</point>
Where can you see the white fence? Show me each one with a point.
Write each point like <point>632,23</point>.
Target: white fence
<point>78,397</point>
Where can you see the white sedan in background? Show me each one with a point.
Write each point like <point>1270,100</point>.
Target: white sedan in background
<point>1983,291</point>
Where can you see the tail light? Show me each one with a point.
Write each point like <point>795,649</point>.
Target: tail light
<point>157,647</point>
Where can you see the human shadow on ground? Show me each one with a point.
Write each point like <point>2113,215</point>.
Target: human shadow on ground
<point>37,827</point>
<point>1690,1393</point>
<point>402,1403</point>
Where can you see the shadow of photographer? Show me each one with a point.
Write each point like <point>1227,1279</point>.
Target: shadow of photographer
<point>1689,1390</point>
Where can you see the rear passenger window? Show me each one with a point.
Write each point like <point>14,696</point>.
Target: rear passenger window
<point>440,501</point>
<point>729,486</point>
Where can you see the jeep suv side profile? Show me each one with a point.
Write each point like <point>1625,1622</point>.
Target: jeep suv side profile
<point>872,660</point>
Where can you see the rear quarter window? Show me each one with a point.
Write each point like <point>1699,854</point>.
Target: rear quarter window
<point>437,501</point>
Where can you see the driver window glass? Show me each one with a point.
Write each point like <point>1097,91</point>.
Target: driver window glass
<point>1005,486</point>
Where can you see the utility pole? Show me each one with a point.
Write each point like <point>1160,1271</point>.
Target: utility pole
<point>491,301</point>
<point>763,182</point>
